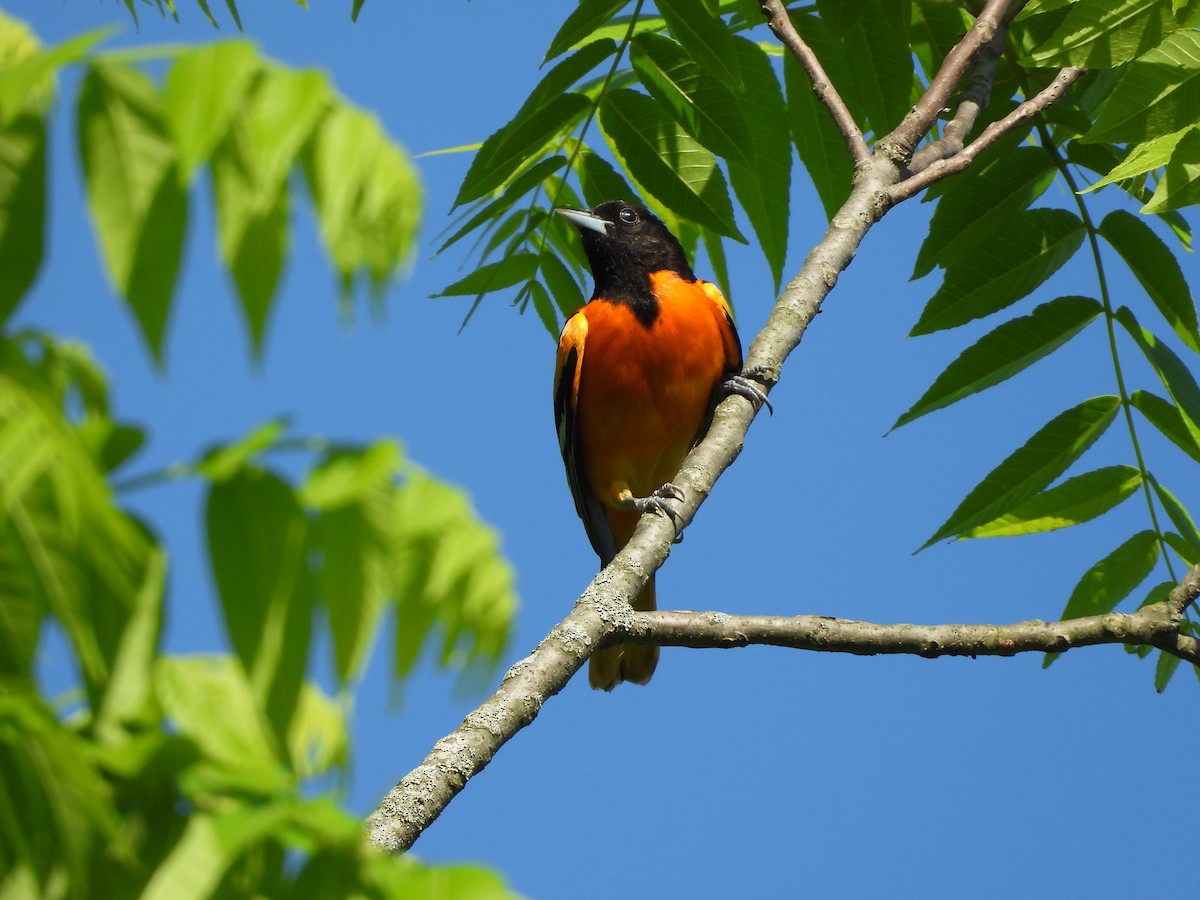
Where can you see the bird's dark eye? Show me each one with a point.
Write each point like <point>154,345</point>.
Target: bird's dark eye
<point>628,216</point>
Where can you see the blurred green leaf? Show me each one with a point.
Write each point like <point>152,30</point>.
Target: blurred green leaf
<point>367,194</point>
<point>226,460</point>
<point>212,703</point>
<point>1076,500</point>
<point>1002,353</point>
<point>667,161</point>
<point>256,543</point>
<point>203,91</point>
<point>22,207</point>
<point>317,740</point>
<point>1157,270</point>
<point>1032,467</point>
<point>250,167</point>
<point>29,70</point>
<point>138,206</point>
<point>1010,266</point>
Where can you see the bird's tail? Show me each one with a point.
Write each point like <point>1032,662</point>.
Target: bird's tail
<point>626,662</point>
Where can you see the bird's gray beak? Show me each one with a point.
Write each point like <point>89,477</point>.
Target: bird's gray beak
<point>581,218</point>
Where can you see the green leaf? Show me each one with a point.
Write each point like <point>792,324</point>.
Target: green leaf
<point>705,38</point>
<point>1011,266</point>
<point>447,569</point>
<point>1102,34</point>
<point>600,181</point>
<point>367,194</point>
<point>707,108</point>
<point>583,20</point>
<point>936,28</point>
<point>354,542</point>
<point>1180,182</point>
<point>226,460</point>
<point>568,295</point>
<point>211,703</point>
<point>128,696</point>
<point>347,477</point>
<point>1032,467</point>
<point>662,157</point>
<point>1179,382</point>
<point>1158,271</point>
<point>549,109</point>
<point>764,186</point>
<point>1164,669</point>
<point>1184,548</point>
<point>820,144</point>
<point>1002,353</point>
<point>1163,415</point>
<point>1077,500</point>
<point>1157,93</point>
<point>250,168</point>
<point>970,213</point>
<point>256,543</point>
<point>544,308</point>
<point>841,15</point>
<point>28,70</point>
<point>882,75</point>
<point>317,740</point>
<point>1114,578</point>
<point>203,90</point>
<point>1179,516</point>
<point>22,207</point>
<point>493,277</point>
<point>1142,158</point>
<point>490,213</point>
<point>138,206</point>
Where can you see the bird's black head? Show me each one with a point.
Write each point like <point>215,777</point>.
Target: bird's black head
<point>624,244</point>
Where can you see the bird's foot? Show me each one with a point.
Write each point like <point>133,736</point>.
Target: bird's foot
<point>658,502</point>
<point>741,385</point>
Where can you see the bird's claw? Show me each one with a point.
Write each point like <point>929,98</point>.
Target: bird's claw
<point>741,385</point>
<point>658,503</point>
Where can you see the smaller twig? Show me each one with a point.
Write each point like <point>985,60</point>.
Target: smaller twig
<point>781,24</point>
<point>942,168</point>
<point>971,103</point>
<point>902,142</point>
<point>1156,625</point>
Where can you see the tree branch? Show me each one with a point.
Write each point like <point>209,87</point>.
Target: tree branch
<point>938,169</point>
<point>781,24</point>
<point>902,142</point>
<point>602,615</point>
<point>971,103</point>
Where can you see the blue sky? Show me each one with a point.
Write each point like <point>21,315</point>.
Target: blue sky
<point>756,772</point>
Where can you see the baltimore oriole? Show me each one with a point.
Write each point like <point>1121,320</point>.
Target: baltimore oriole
<point>639,370</point>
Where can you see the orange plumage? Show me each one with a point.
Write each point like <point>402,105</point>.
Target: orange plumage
<point>637,375</point>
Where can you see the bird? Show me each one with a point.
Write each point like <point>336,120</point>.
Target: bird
<point>638,372</point>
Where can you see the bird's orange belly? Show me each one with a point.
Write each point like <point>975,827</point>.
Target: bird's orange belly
<point>644,397</point>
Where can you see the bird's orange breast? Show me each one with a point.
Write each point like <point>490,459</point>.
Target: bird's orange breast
<point>644,391</point>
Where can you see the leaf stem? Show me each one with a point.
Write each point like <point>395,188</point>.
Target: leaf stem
<point>1109,321</point>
